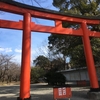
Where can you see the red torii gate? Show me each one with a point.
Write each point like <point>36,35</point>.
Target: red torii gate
<point>27,26</point>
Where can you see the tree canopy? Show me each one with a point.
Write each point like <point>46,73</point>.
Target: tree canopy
<point>42,61</point>
<point>72,46</point>
<point>81,7</point>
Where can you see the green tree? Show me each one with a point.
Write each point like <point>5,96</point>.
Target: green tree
<point>36,73</point>
<point>55,78</point>
<point>96,50</point>
<point>70,46</point>
<point>57,64</point>
<point>42,61</point>
<point>81,7</point>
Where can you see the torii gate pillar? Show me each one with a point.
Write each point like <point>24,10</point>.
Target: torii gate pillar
<point>25,68</point>
<point>89,58</point>
<point>94,93</point>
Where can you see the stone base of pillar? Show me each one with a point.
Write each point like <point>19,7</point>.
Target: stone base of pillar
<point>93,95</point>
<point>24,98</point>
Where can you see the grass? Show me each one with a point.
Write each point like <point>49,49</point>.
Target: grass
<point>7,84</point>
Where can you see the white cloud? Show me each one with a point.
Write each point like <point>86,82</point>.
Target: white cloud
<point>17,58</point>
<point>6,50</point>
<point>18,50</point>
<point>1,49</point>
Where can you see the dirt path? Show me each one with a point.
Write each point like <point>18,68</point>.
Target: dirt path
<point>40,92</point>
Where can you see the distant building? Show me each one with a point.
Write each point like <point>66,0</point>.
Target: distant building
<point>79,74</point>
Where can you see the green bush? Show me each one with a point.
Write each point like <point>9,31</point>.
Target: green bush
<point>36,73</point>
<point>54,78</point>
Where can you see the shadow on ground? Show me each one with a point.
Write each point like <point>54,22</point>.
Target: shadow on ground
<point>41,92</point>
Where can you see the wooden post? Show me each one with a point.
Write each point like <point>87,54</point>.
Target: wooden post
<point>26,50</point>
<point>89,58</point>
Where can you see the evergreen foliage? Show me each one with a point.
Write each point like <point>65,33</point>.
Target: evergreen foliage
<point>36,73</point>
<point>54,78</point>
<point>72,46</point>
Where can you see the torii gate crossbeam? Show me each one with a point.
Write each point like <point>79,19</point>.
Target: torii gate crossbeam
<point>27,26</point>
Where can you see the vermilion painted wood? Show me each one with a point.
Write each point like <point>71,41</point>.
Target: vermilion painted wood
<point>26,51</point>
<point>11,24</point>
<point>89,57</point>
<point>48,29</point>
<point>44,15</point>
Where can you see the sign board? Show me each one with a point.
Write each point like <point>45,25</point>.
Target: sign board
<point>62,92</point>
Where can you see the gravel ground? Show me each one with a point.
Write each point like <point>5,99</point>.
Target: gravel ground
<point>41,92</point>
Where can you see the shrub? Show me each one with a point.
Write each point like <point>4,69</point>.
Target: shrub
<point>36,73</point>
<point>54,78</point>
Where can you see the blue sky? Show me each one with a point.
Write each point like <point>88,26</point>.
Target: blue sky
<point>11,40</point>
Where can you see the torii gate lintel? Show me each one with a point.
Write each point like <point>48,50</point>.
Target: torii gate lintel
<point>47,29</point>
